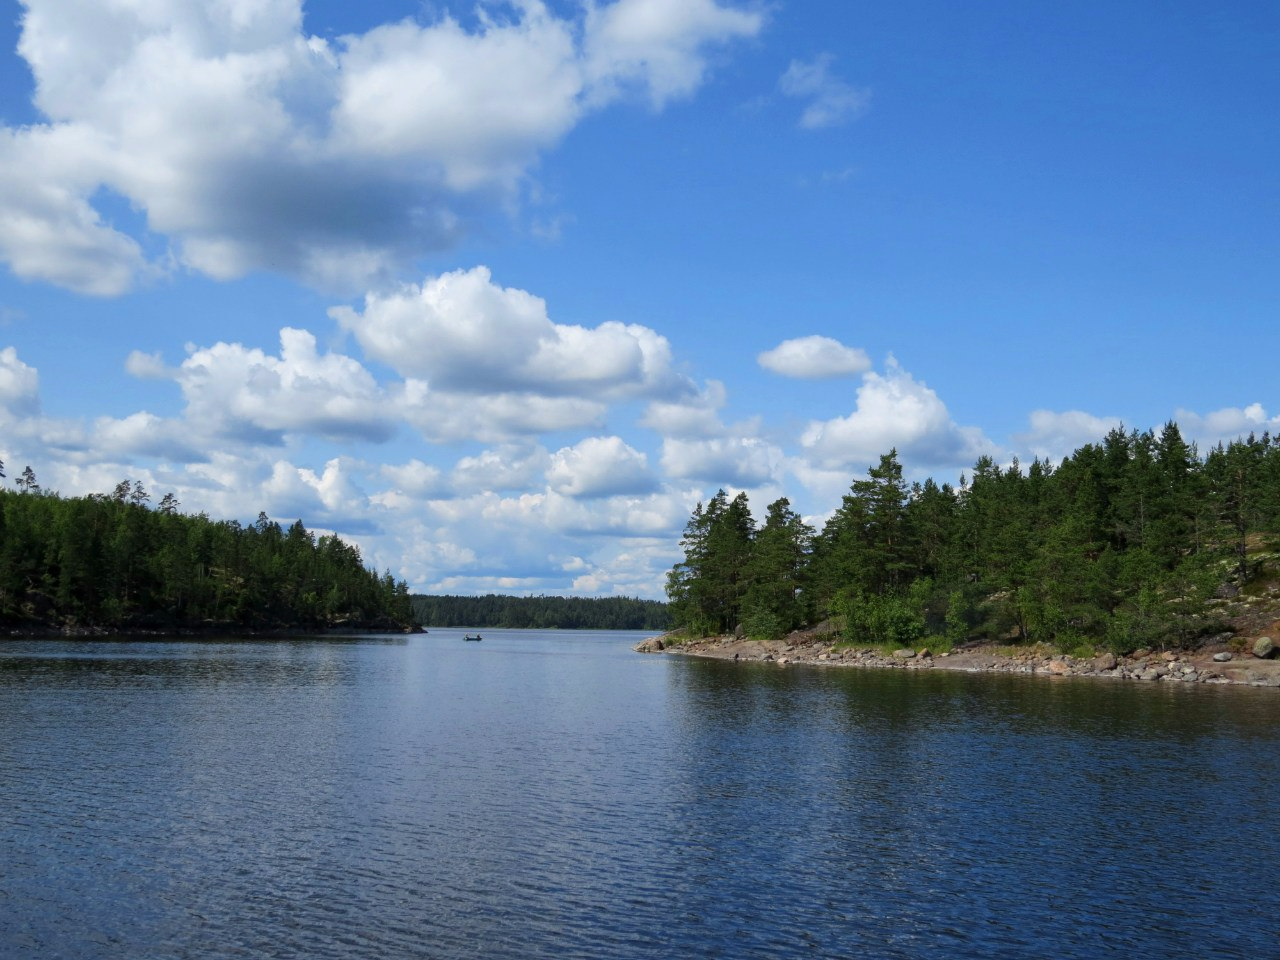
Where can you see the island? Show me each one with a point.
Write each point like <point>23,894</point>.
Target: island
<point>1135,556</point>
<point>111,564</point>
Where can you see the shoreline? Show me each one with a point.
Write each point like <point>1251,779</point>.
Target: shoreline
<point>1144,666</point>
<point>195,632</point>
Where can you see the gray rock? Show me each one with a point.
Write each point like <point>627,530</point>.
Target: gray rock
<point>1106,661</point>
<point>904,654</point>
<point>1222,657</point>
<point>652,645</point>
<point>1148,675</point>
<point>1191,677</point>
<point>1263,648</point>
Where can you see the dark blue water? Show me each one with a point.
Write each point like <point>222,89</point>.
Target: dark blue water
<point>545,794</point>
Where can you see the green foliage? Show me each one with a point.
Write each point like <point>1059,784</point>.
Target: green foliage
<point>957,620</point>
<point>759,622</point>
<point>542,612</point>
<point>880,618</point>
<point>1122,543</point>
<point>111,561</point>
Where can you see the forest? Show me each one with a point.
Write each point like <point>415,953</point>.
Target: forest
<point>1127,543</point>
<point>113,562</point>
<point>548,613</point>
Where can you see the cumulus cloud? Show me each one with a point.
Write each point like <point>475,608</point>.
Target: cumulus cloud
<point>1057,435</point>
<point>443,417</point>
<point>814,358</point>
<point>1227,424</point>
<point>723,461</point>
<point>145,435</point>
<point>600,467</point>
<point>893,411</point>
<point>19,386</point>
<point>248,144</point>
<point>509,467</point>
<point>464,333</point>
<point>831,101</point>
<point>696,415</point>
<point>324,496</point>
<point>239,392</point>
<point>415,479</point>
<point>49,229</point>
<point>656,45</point>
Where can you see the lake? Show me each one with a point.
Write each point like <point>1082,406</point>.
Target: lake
<point>553,794</point>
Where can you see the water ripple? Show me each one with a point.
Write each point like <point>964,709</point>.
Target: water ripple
<point>555,796</point>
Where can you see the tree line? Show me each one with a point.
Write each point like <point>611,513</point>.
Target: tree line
<point>1123,544</point>
<point>112,561</point>
<point>542,612</point>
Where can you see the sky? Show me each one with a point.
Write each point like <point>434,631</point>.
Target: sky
<point>500,291</point>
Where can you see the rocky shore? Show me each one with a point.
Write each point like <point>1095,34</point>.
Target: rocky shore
<point>1218,662</point>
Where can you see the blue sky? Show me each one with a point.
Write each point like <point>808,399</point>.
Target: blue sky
<point>499,291</point>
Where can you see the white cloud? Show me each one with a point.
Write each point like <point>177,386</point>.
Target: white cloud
<point>293,492</point>
<point>1225,425</point>
<point>814,358</point>
<point>235,391</point>
<point>145,435</point>
<point>831,101</point>
<point>692,416</point>
<point>463,334</point>
<point>416,479</point>
<point>1057,435</point>
<point>509,467</point>
<point>443,417</point>
<point>19,386</point>
<point>147,366</point>
<point>248,144</point>
<point>723,461</point>
<point>893,411</point>
<point>656,45</point>
<point>600,467</point>
<point>659,514</point>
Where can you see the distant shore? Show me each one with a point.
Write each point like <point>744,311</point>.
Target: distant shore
<point>1207,665</point>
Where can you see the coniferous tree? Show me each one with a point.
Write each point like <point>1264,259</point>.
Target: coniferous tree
<point>773,603</point>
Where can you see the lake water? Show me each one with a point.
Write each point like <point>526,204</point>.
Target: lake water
<point>544,794</point>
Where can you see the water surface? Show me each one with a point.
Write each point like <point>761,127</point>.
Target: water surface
<point>544,794</point>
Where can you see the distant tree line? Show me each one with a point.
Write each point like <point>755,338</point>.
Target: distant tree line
<point>113,561</point>
<point>1125,543</point>
<point>562,613</point>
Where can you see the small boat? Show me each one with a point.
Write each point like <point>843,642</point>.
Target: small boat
<point>470,637</point>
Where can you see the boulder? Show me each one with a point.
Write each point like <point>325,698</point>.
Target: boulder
<point>1105,661</point>
<point>904,654</point>
<point>1264,648</point>
<point>1059,667</point>
<point>652,645</point>
<point>1222,657</point>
